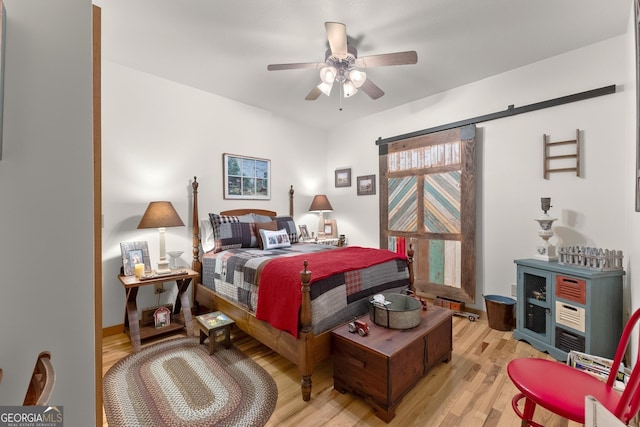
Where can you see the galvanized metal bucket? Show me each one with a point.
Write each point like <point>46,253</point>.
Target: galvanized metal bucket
<point>398,312</point>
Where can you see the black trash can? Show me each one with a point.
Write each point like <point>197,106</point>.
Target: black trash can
<point>500,312</point>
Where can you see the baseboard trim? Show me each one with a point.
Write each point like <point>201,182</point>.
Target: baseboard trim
<point>112,330</point>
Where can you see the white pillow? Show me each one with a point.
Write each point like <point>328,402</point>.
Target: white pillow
<point>206,235</point>
<point>275,239</point>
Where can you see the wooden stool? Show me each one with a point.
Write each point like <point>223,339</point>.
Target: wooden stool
<point>211,325</point>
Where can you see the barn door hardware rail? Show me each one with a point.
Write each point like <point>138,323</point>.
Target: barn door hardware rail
<point>550,159</point>
<point>510,111</point>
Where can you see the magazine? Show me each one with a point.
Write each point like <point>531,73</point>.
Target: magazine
<point>598,367</point>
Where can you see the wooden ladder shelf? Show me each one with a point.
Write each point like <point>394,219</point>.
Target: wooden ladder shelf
<point>548,158</point>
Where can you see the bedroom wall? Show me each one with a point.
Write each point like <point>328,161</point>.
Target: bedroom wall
<point>46,217</point>
<point>632,222</point>
<point>590,209</point>
<point>158,135</point>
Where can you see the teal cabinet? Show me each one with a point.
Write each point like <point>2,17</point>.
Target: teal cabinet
<point>562,308</point>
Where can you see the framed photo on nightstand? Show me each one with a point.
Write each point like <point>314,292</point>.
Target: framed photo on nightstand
<point>134,253</point>
<point>330,228</point>
<point>304,232</point>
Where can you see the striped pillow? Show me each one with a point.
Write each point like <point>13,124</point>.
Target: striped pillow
<point>288,224</point>
<point>229,232</point>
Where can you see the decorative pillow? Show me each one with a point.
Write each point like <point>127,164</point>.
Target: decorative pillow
<point>270,226</point>
<point>275,239</point>
<point>229,232</point>
<point>260,218</point>
<point>206,235</point>
<point>288,224</point>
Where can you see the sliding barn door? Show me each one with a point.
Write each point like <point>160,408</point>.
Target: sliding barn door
<point>427,200</point>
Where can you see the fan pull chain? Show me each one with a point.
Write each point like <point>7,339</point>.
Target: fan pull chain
<point>341,96</point>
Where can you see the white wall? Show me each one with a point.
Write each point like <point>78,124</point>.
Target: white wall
<point>46,216</point>
<point>147,120</point>
<point>157,135</point>
<point>632,218</point>
<point>590,209</point>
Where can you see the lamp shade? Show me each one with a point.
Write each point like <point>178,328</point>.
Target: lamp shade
<point>320,203</point>
<point>357,77</point>
<point>325,88</point>
<point>328,74</point>
<point>160,214</point>
<point>349,89</point>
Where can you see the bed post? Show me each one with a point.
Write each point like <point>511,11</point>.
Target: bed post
<point>410,253</point>
<point>291,201</point>
<point>195,262</point>
<point>305,336</point>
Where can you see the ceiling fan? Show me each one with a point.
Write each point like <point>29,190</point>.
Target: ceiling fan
<point>341,63</point>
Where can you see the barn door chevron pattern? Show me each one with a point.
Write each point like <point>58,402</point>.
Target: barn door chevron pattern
<point>427,197</point>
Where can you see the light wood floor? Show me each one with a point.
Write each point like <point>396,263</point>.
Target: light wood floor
<point>473,389</point>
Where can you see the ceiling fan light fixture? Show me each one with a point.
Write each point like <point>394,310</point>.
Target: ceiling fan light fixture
<point>328,75</point>
<point>357,77</point>
<point>325,88</point>
<point>349,89</point>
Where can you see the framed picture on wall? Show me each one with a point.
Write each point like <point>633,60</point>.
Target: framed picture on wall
<point>246,177</point>
<point>343,177</point>
<point>366,185</point>
<point>135,253</point>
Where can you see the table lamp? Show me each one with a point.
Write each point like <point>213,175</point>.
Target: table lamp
<point>321,205</point>
<point>161,215</point>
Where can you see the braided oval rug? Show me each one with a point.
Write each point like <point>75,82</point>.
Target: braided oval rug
<point>177,383</point>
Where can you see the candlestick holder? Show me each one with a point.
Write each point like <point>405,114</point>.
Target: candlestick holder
<point>545,251</point>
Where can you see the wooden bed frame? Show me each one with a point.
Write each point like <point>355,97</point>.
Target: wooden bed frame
<point>308,349</point>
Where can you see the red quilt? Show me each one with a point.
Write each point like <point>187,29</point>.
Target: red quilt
<point>280,293</point>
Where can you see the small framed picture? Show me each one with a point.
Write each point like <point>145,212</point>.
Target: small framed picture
<point>343,177</point>
<point>330,228</point>
<point>162,317</point>
<point>304,232</point>
<point>366,185</point>
<point>135,253</point>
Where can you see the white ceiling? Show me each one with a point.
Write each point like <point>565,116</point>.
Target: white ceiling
<point>224,47</point>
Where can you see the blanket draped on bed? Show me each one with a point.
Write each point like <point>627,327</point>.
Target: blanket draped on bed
<point>281,276</point>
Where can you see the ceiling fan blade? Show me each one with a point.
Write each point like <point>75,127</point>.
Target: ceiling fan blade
<point>276,67</point>
<point>398,58</point>
<point>371,89</point>
<point>337,36</point>
<point>314,94</point>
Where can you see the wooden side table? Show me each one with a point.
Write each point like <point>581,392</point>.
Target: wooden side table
<point>213,324</point>
<point>137,333</point>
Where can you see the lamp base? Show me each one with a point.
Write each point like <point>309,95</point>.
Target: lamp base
<point>546,252</point>
<point>163,267</point>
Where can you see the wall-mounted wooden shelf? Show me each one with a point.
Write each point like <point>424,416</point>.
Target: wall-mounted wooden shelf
<point>550,158</point>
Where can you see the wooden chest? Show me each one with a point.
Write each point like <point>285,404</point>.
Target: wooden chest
<point>384,365</point>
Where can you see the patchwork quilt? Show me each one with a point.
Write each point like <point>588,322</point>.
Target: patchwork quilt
<point>336,297</point>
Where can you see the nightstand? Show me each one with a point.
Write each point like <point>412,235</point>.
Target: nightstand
<point>137,333</point>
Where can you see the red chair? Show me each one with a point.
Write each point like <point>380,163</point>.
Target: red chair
<point>562,389</point>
